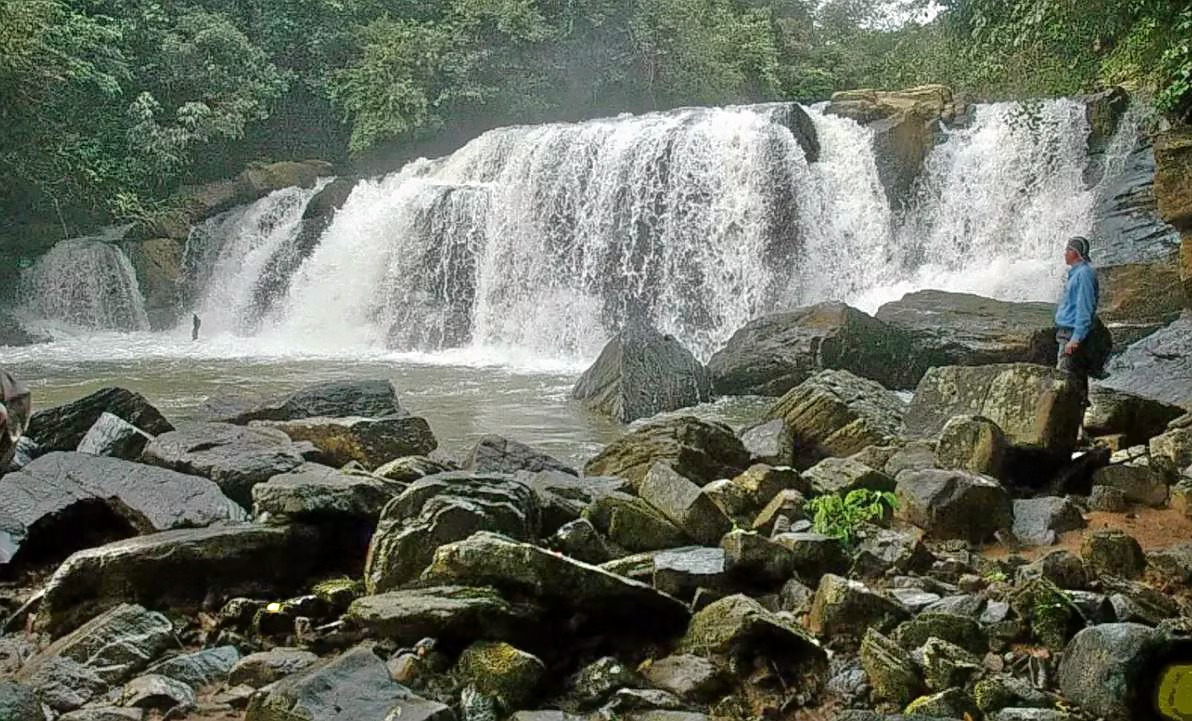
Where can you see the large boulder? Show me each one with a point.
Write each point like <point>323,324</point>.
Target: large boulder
<point>835,414</point>
<point>373,398</point>
<point>971,443</point>
<point>356,685</point>
<point>684,504</point>
<point>158,263</point>
<point>556,581</point>
<point>179,569</point>
<point>371,442</point>
<point>641,373</point>
<point>701,451</point>
<point>1140,292</point>
<point>1035,406</point>
<point>740,628</point>
<point>633,524</point>
<point>775,353</point>
<point>62,428</point>
<point>200,668</point>
<point>62,501</point>
<point>954,504</point>
<point>105,652</point>
<point>494,454</point>
<point>1139,419</point>
<point>1158,366</point>
<point>846,608</point>
<point>961,329</point>
<point>451,613</point>
<point>235,457</point>
<point>904,124</point>
<point>1039,521</point>
<point>114,436</point>
<point>1099,669</point>
<point>440,509</point>
<point>313,492</point>
<point>13,334</point>
<point>564,497</point>
<point>500,671</point>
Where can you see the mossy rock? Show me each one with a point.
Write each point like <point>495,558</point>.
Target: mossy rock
<point>962,631</point>
<point>502,671</point>
<point>891,671</point>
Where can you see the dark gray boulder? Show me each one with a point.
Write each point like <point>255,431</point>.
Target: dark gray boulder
<point>738,628</point>
<point>201,668</point>
<point>62,428</point>
<point>106,651</point>
<point>113,436</point>
<point>161,693</point>
<point>337,399</point>
<point>179,569</point>
<point>312,491</point>
<point>1099,667</point>
<point>1140,419</point>
<point>641,373</point>
<point>356,685</point>
<point>1158,367</point>
<point>260,669</point>
<point>685,504</point>
<point>950,329</point>
<point>954,504</point>
<point>563,497</point>
<point>701,451</point>
<point>450,613</point>
<point>1039,521</point>
<point>235,457</point>
<point>13,334</point>
<point>64,501</point>
<point>775,353</point>
<point>494,454</point>
<point>771,442</point>
<point>441,509</point>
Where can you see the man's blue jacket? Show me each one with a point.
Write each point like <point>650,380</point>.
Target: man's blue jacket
<point>1078,306</point>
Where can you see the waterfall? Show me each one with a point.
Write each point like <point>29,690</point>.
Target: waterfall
<point>239,262</point>
<point>85,284</point>
<point>544,239</point>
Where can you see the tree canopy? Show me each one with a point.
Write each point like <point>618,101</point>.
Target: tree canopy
<point>107,106</point>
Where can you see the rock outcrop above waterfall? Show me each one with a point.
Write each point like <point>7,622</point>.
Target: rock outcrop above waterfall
<point>964,329</point>
<point>904,123</point>
<point>641,373</point>
<point>192,204</point>
<point>775,353</point>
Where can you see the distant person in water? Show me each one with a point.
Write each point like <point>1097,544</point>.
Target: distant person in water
<point>15,405</point>
<point>194,328</point>
<point>1084,341</point>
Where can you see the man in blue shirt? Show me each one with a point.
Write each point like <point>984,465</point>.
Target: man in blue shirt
<point>1076,316</point>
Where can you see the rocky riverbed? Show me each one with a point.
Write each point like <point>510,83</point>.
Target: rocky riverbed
<point>316,557</point>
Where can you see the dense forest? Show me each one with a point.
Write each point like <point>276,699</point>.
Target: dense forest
<point>107,106</point>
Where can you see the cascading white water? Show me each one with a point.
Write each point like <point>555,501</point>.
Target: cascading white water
<point>231,257</point>
<point>996,202</point>
<point>84,284</point>
<point>544,239</point>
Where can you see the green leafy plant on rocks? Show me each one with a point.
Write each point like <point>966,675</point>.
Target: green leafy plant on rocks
<point>841,517</point>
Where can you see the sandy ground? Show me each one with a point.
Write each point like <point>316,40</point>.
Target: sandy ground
<point>1153,528</point>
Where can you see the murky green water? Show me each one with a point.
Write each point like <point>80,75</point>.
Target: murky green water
<point>463,395</point>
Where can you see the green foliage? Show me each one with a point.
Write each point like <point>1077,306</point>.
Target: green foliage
<point>841,517</point>
<point>107,106</point>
